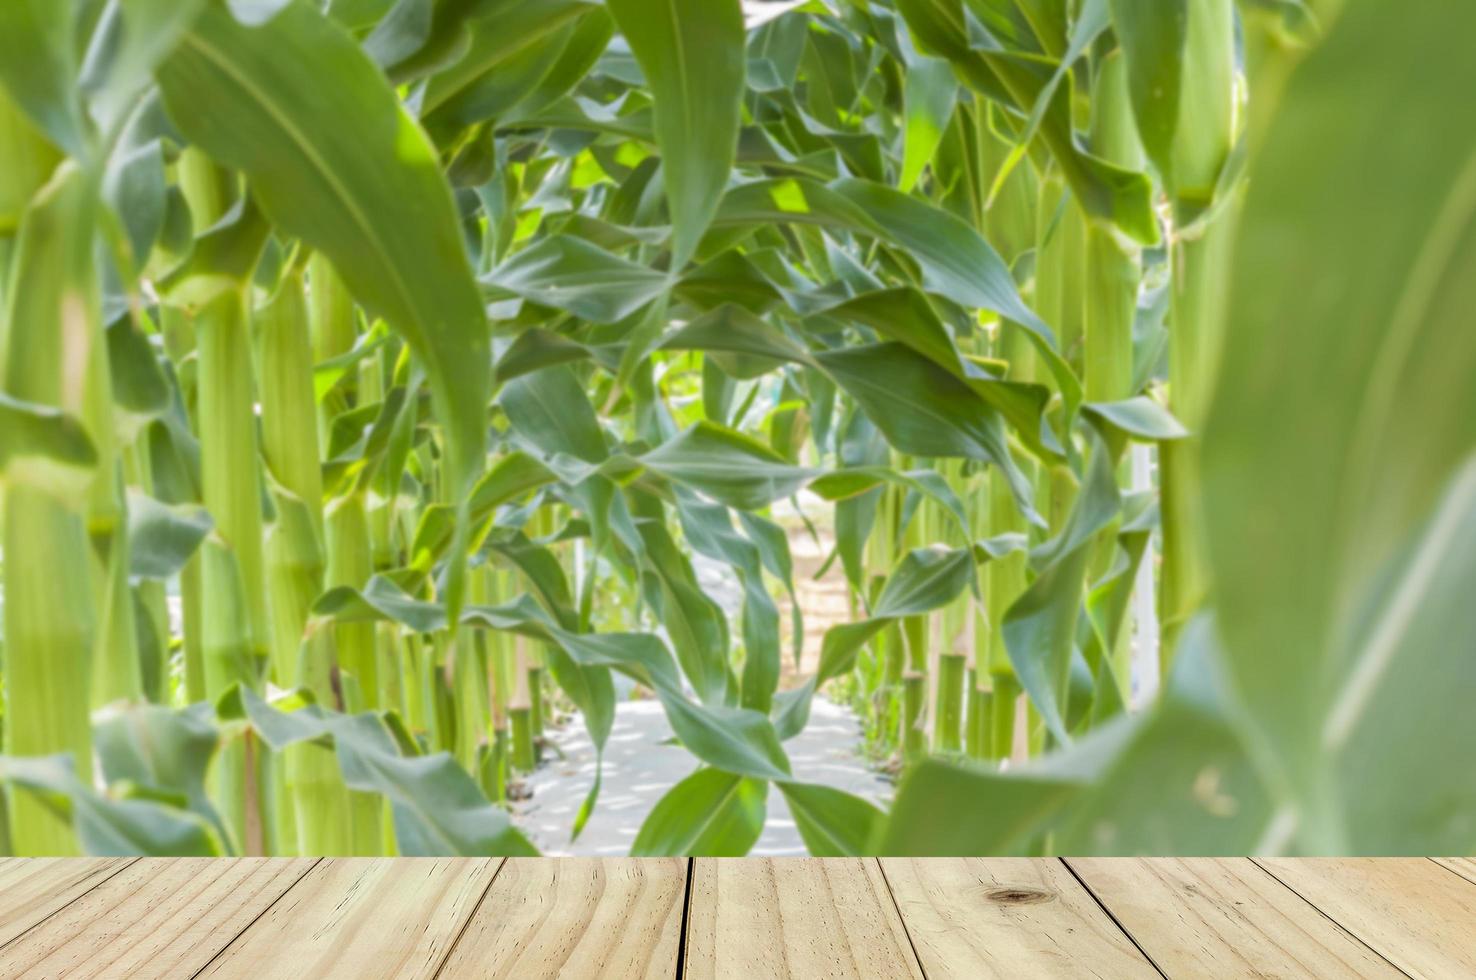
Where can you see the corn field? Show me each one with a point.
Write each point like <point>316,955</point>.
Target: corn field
<point>376,375</point>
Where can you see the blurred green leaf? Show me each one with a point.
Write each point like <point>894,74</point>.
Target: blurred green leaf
<point>711,813</point>
<point>162,537</point>
<point>1338,477</point>
<point>832,822</point>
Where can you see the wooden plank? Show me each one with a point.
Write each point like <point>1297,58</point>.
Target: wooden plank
<point>796,917</point>
<point>1465,867</point>
<point>362,918</point>
<point>157,917</point>
<point>1207,917</point>
<point>1008,917</point>
<point>33,888</point>
<point>575,917</point>
<point>1414,913</point>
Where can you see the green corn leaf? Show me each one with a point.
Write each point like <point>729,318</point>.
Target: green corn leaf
<point>744,345</point>
<point>1152,34</point>
<point>853,481</point>
<point>1039,628</point>
<point>832,822</point>
<point>731,468</point>
<point>1182,781</point>
<point>135,181</point>
<point>38,65</point>
<point>711,813</point>
<point>956,261</point>
<point>438,808</point>
<point>925,411</point>
<point>161,537</point>
<point>549,410</point>
<point>131,37</point>
<point>351,174</point>
<point>930,92</point>
<point>1091,20</point>
<point>1005,811</point>
<point>43,446</point>
<point>695,623</point>
<point>736,740</point>
<point>1339,488</point>
<point>709,530</point>
<point>162,752</point>
<point>908,317</point>
<point>1005,70</point>
<point>512,476</point>
<point>140,390</point>
<point>570,274</point>
<point>477,47</point>
<point>926,579</point>
<point>691,53</point>
<point>108,827</point>
<point>1137,418</point>
<point>495,93</point>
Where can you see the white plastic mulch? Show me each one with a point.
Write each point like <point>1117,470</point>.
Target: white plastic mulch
<point>641,765</point>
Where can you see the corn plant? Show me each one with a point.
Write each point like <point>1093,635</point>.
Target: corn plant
<point>376,377</point>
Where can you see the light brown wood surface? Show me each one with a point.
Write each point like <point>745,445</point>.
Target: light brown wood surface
<point>32,889</point>
<point>1224,918</point>
<point>1465,867</point>
<point>795,917</point>
<point>575,917</point>
<point>362,918</point>
<point>157,917</point>
<point>746,919</point>
<point>1416,914</point>
<point>1007,917</point>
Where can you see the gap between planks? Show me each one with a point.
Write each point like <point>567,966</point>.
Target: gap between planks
<point>1224,917</point>
<point>722,918</point>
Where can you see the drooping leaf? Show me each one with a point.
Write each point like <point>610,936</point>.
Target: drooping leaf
<point>729,467</point>
<point>1151,33</point>
<point>110,827</point>
<point>711,813</point>
<point>162,751</point>
<point>351,174</point>
<point>832,822</point>
<point>550,410</point>
<point>438,808</point>
<point>41,445</point>
<point>1137,418</point>
<point>163,537</point>
<point>1039,628</point>
<point>571,274</point>
<point>1004,811</point>
<point>691,54</point>
<point>1182,781</point>
<point>924,410</point>
<point>38,65</point>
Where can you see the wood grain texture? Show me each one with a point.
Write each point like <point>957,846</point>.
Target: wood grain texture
<point>1008,917</point>
<point>796,917</point>
<point>1465,867</point>
<point>1415,913</point>
<point>362,918</point>
<point>33,888</point>
<point>576,918</point>
<point>157,917</point>
<point>1209,917</point>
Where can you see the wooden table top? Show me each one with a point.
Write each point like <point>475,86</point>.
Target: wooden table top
<point>740,918</point>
